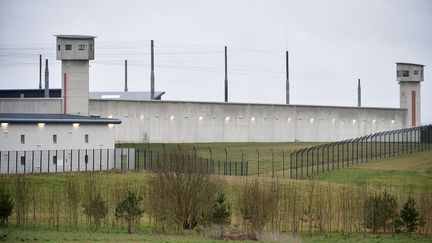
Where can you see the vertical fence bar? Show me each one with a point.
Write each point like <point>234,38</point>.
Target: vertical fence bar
<point>291,165</point>
<point>32,161</point>
<point>272,162</point>
<point>283,164</point>
<point>40,161</point>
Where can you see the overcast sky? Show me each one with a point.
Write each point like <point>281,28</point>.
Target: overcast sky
<point>331,45</point>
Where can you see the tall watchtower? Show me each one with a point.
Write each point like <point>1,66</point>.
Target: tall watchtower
<point>409,76</point>
<point>75,51</point>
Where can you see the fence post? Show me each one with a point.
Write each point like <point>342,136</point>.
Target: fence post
<point>107,161</point>
<point>49,157</point>
<point>272,162</point>
<point>291,165</point>
<point>333,157</point>
<point>307,164</point>
<point>32,161</point>
<point>258,162</point>
<point>40,162</point>
<point>283,164</point>
<point>296,163</point>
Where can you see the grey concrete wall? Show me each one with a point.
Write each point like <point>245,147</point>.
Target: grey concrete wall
<point>406,89</point>
<point>176,121</point>
<point>77,86</point>
<point>31,105</point>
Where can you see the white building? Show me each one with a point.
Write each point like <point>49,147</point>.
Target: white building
<point>21,132</point>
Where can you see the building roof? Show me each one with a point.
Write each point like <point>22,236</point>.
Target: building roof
<point>80,37</point>
<point>56,93</point>
<point>130,95</point>
<point>54,118</point>
<point>407,63</point>
<point>29,93</point>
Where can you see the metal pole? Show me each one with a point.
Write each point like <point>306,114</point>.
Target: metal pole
<point>40,71</point>
<point>283,164</point>
<point>226,75</point>
<point>126,84</point>
<point>272,162</point>
<point>258,160</point>
<point>287,79</point>
<point>359,94</point>
<point>152,77</point>
<point>46,79</point>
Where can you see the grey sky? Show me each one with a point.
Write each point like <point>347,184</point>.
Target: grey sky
<point>331,44</point>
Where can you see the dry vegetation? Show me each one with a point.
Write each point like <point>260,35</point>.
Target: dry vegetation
<point>179,196</point>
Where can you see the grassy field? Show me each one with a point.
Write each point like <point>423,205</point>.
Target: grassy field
<point>55,236</point>
<point>410,170</point>
<point>402,175</point>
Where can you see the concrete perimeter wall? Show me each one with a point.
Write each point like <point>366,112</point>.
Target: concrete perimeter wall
<point>177,121</point>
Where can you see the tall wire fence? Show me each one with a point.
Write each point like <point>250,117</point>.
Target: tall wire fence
<point>297,161</point>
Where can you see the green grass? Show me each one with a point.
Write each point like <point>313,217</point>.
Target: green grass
<point>410,170</point>
<point>59,236</point>
<point>358,237</point>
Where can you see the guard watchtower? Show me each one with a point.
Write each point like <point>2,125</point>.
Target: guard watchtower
<point>409,76</point>
<point>75,51</point>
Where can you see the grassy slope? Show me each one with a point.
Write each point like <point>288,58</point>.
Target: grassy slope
<point>411,170</point>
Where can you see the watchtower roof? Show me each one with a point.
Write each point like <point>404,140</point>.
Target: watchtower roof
<point>407,63</point>
<point>77,37</point>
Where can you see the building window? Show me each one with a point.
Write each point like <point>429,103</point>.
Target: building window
<point>55,138</point>
<point>86,138</point>
<point>81,47</point>
<point>22,139</point>
<point>58,47</point>
<point>415,72</point>
<point>68,47</point>
<point>86,158</point>
<point>91,47</point>
<point>22,160</point>
<point>54,159</point>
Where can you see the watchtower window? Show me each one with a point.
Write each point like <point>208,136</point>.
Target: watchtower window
<point>68,47</point>
<point>81,47</point>
<point>91,47</point>
<point>403,73</point>
<point>58,47</point>
<point>415,72</point>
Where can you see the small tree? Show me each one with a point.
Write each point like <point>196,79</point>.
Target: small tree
<point>409,216</point>
<point>6,206</point>
<point>129,209</point>
<point>221,210</point>
<point>96,210</point>
<point>380,212</point>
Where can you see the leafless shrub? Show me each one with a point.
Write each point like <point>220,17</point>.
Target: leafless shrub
<point>181,194</point>
<point>73,197</point>
<point>22,201</point>
<point>258,203</point>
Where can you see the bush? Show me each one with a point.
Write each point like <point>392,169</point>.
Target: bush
<point>96,210</point>
<point>6,206</point>
<point>380,212</point>
<point>257,204</point>
<point>409,217</point>
<point>221,210</point>
<point>182,194</point>
<point>129,209</point>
